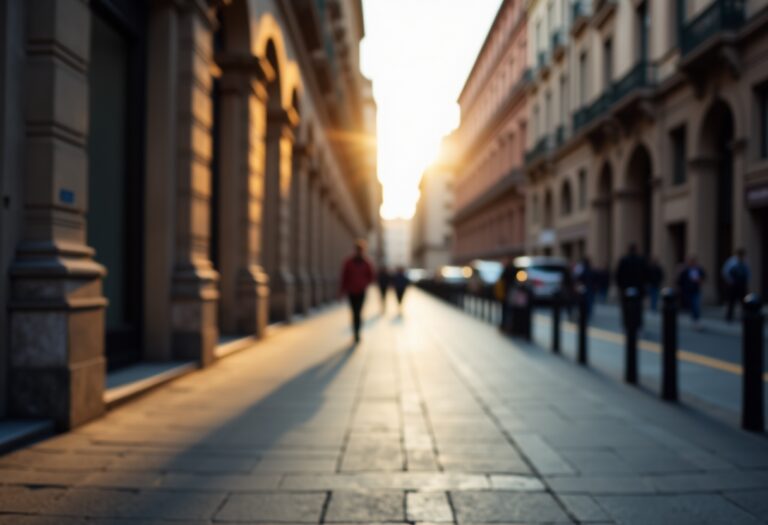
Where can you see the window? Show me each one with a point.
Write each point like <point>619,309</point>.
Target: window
<point>563,100</point>
<point>677,138</point>
<point>583,78</point>
<point>643,26</point>
<point>582,189</point>
<point>607,63</point>
<point>762,95</point>
<point>566,200</point>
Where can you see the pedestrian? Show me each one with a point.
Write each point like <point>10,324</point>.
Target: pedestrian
<point>506,282</point>
<point>735,273</point>
<point>400,282</point>
<point>586,277</point>
<point>357,274</point>
<point>383,279</point>
<point>655,280</point>
<point>690,281</point>
<point>632,272</point>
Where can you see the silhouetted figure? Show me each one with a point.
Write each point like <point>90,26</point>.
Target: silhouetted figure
<point>383,278</point>
<point>736,275</point>
<point>400,283</point>
<point>502,288</point>
<point>357,274</point>
<point>655,280</point>
<point>632,272</point>
<point>691,277</point>
<point>586,277</point>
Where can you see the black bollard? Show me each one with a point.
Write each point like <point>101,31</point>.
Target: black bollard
<point>582,356</point>
<point>632,313</point>
<point>556,322</point>
<point>752,355</point>
<point>669,345</point>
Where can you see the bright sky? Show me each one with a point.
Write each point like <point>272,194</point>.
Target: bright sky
<point>418,54</point>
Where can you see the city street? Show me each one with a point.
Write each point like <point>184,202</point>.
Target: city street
<point>710,359</point>
<point>435,417</point>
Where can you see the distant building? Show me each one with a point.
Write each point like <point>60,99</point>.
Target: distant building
<point>431,227</point>
<point>397,243</point>
<point>649,125</point>
<point>489,198</point>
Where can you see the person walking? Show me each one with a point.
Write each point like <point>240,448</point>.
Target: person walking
<point>383,279</point>
<point>400,283</point>
<point>689,281</point>
<point>735,273</point>
<point>655,280</point>
<point>356,275</point>
<point>502,289</point>
<point>632,272</point>
<point>586,277</point>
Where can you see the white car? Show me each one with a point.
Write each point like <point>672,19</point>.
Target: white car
<point>546,276</point>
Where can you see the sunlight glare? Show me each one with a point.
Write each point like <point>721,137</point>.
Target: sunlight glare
<point>418,54</point>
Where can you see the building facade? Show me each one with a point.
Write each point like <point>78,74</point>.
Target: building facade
<point>431,228</point>
<point>648,126</point>
<point>489,194</point>
<point>397,243</point>
<point>173,174</point>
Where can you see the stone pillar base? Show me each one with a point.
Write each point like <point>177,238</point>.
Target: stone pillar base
<point>57,365</point>
<point>253,301</point>
<point>194,310</point>
<point>281,296</point>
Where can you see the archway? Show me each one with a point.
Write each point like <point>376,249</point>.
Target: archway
<point>638,201</point>
<point>604,217</point>
<point>716,192</point>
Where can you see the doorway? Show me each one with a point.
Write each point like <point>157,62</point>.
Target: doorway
<point>115,164</point>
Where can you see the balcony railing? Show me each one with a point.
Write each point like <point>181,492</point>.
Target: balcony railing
<point>578,9</point>
<point>721,15</point>
<point>557,39</point>
<point>541,148</point>
<point>640,76</point>
<point>543,59</point>
<point>559,136</point>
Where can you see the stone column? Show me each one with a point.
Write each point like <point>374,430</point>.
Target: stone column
<point>331,270</point>
<point>313,234</point>
<point>194,293</point>
<point>244,286</point>
<point>299,228</point>
<point>277,211</point>
<point>702,223</point>
<point>56,323</point>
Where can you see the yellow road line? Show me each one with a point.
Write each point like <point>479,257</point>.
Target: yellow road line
<point>651,346</point>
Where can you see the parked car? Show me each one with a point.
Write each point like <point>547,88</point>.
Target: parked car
<point>417,274</point>
<point>545,275</point>
<point>488,272</point>
<point>454,274</point>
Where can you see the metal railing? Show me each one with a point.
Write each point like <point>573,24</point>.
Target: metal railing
<point>557,39</point>
<point>541,148</point>
<point>640,76</point>
<point>721,15</point>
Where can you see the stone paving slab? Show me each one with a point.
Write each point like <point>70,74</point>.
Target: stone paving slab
<point>434,418</point>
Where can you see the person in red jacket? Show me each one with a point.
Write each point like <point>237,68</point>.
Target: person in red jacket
<point>357,274</point>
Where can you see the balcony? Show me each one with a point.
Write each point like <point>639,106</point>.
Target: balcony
<point>617,97</point>
<point>559,136</point>
<point>603,10</point>
<point>721,16</point>
<point>558,44</point>
<point>542,63</point>
<point>579,16</point>
<point>538,152</point>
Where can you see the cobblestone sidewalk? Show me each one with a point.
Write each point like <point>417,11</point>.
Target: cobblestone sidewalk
<point>434,418</point>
